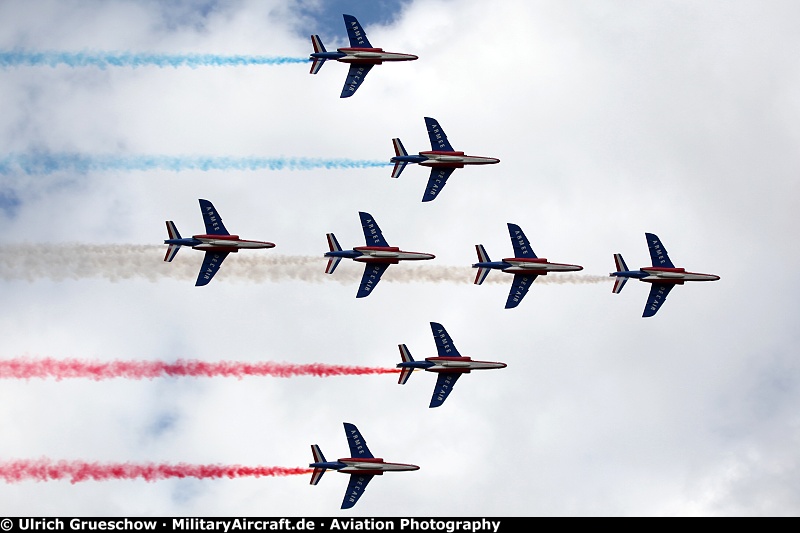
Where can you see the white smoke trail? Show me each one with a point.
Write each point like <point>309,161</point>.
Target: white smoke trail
<point>117,262</point>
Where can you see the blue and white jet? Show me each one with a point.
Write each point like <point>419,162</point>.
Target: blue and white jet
<point>449,364</point>
<point>217,243</point>
<point>525,266</point>
<point>361,465</point>
<point>377,255</point>
<point>442,159</point>
<point>662,276</point>
<point>361,55</point>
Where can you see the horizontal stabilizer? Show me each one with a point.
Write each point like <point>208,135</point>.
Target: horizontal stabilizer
<point>316,65</point>
<point>405,372</point>
<point>398,168</point>
<point>619,283</point>
<point>316,475</point>
<point>172,230</point>
<point>172,250</point>
<point>481,275</point>
<point>333,244</point>
<point>399,149</point>
<point>333,262</point>
<point>620,263</point>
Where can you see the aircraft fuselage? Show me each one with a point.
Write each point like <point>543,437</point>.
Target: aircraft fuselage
<point>666,275</point>
<point>375,466</point>
<point>227,243</point>
<point>538,266</point>
<point>371,56</point>
<point>453,159</point>
<point>387,254</point>
<point>459,364</point>
<point>219,243</point>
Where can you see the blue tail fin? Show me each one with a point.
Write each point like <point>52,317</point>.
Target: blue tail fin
<point>316,42</point>
<point>334,246</point>
<point>405,372</point>
<point>399,150</point>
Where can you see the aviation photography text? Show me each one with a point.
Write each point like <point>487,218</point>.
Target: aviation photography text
<point>230,525</point>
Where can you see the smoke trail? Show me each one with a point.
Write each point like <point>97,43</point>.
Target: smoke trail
<point>103,60</point>
<point>27,368</point>
<point>45,469</point>
<point>48,163</point>
<point>116,262</point>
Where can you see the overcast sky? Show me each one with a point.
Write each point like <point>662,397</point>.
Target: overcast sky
<point>610,119</point>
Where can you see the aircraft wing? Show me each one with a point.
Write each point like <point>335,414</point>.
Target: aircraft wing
<point>658,293</point>
<point>372,275</point>
<point>522,248</point>
<point>358,446</point>
<point>519,288</point>
<point>355,77</point>
<point>444,344</point>
<point>436,134</point>
<point>372,233</point>
<point>444,386</point>
<point>355,488</point>
<point>212,219</point>
<point>357,35</point>
<point>436,182</point>
<point>211,264</point>
<point>658,254</point>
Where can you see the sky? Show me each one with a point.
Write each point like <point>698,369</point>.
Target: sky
<point>610,119</point>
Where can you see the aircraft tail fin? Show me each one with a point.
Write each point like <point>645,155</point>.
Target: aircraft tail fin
<point>334,246</point>
<point>316,42</point>
<point>316,475</point>
<point>405,373</point>
<point>620,263</point>
<point>483,257</point>
<point>172,250</point>
<point>619,281</point>
<point>399,150</point>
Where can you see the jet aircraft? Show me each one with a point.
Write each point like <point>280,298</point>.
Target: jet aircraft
<point>361,55</point>
<point>361,465</point>
<point>442,159</point>
<point>449,364</point>
<point>217,243</point>
<point>524,265</point>
<point>377,255</point>
<point>662,276</point>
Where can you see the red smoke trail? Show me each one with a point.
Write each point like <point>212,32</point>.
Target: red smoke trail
<point>24,367</point>
<point>77,471</point>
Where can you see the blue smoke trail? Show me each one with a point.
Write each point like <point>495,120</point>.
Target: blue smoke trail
<point>48,163</point>
<point>17,58</point>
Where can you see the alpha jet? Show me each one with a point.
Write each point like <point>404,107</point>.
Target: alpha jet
<point>449,364</point>
<point>361,465</point>
<point>361,55</point>
<point>442,159</point>
<point>662,276</point>
<point>217,243</point>
<point>525,266</point>
<point>377,255</point>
